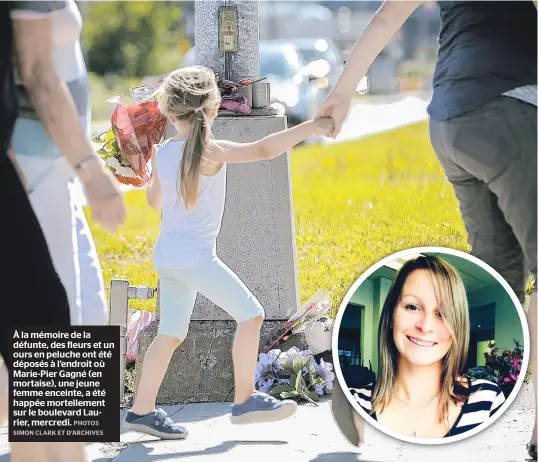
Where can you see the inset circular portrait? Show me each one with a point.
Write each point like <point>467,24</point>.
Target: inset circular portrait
<point>430,345</point>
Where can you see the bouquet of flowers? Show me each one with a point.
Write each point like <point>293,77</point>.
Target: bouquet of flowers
<point>294,374</point>
<point>114,160</point>
<point>135,129</point>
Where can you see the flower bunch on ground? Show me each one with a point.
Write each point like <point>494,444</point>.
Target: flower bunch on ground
<point>293,374</point>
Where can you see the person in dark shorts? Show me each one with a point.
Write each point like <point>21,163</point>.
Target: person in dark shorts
<point>482,126</point>
<point>35,295</point>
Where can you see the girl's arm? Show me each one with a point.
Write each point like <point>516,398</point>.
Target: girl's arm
<point>268,147</point>
<point>153,189</point>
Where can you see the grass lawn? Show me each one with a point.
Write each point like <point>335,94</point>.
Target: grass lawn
<point>354,204</point>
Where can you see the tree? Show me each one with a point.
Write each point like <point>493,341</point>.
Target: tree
<point>133,39</point>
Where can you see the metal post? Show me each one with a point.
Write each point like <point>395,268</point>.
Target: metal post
<point>119,306</point>
<point>120,294</point>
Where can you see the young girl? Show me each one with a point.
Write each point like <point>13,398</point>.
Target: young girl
<point>188,183</point>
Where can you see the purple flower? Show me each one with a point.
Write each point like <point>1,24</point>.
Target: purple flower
<point>267,359</point>
<point>318,389</point>
<point>265,385</point>
<point>324,370</point>
<point>261,376</point>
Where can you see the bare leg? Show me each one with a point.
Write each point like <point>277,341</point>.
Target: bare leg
<point>359,426</point>
<point>250,407</point>
<point>245,354</point>
<point>154,368</point>
<point>532,320</point>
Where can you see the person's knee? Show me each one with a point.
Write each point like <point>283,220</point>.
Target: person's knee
<point>259,316</point>
<point>171,342</point>
<point>254,321</point>
<point>258,320</point>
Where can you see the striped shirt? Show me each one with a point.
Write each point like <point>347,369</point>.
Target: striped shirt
<point>484,401</point>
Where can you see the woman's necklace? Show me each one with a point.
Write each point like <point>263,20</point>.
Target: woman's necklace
<point>426,406</point>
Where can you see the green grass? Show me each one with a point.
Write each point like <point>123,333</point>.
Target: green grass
<point>128,253</point>
<point>359,202</point>
<point>354,204</point>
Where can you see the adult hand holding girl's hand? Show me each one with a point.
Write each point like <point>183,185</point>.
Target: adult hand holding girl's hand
<point>323,126</point>
<point>336,107</point>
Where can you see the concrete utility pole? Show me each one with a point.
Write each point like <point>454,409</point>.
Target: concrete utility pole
<point>231,65</point>
<point>257,239</point>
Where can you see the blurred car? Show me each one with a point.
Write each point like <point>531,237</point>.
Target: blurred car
<point>323,59</point>
<point>291,91</point>
<point>383,75</point>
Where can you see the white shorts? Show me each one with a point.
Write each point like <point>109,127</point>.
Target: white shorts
<point>216,282</point>
<point>68,236</point>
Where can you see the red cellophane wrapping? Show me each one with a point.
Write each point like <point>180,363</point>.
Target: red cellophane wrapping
<point>138,127</point>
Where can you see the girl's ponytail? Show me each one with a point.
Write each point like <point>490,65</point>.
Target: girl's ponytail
<point>189,172</point>
<point>186,94</point>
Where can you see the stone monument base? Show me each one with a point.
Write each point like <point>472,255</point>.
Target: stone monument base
<point>257,242</point>
<point>201,369</point>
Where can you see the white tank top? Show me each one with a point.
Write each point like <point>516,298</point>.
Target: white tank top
<point>187,238</point>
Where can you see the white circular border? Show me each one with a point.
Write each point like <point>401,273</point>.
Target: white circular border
<point>500,280</point>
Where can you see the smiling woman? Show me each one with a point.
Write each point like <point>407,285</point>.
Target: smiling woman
<point>424,384</point>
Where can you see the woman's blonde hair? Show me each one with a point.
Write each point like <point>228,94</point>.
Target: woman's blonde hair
<point>187,94</point>
<point>455,309</point>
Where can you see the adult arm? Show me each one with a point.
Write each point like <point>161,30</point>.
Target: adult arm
<point>56,110</point>
<point>388,19</point>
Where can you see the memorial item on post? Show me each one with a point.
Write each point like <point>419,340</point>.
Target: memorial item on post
<point>231,98</point>
<point>135,129</point>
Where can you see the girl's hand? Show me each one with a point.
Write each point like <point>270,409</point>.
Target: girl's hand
<point>323,126</point>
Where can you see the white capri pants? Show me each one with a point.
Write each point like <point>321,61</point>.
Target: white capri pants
<point>215,281</point>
